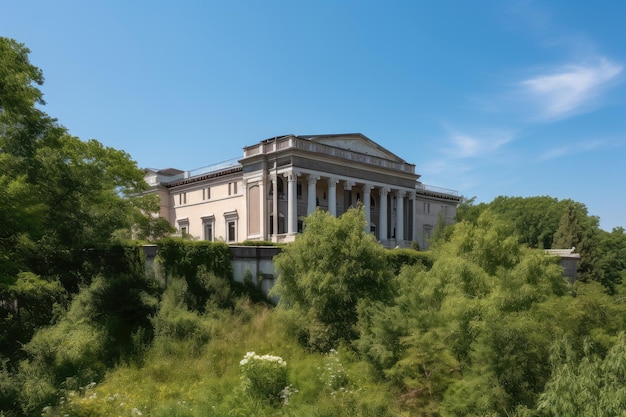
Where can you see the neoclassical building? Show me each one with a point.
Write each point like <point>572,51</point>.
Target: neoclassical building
<point>265,194</point>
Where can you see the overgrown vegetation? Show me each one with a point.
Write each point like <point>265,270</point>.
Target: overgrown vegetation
<point>483,324</point>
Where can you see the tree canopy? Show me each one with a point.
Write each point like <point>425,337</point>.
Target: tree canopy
<point>61,198</point>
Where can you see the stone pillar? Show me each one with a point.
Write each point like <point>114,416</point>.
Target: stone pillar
<point>347,186</point>
<point>312,194</point>
<point>413,198</point>
<point>275,207</point>
<point>292,201</point>
<point>400,216</point>
<point>332,196</point>
<point>367,206</point>
<point>382,227</point>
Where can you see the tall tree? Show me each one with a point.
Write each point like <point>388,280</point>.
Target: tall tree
<point>327,271</point>
<point>60,197</point>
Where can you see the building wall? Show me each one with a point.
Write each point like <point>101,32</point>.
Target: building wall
<point>279,181</point>
<point>216,202</point>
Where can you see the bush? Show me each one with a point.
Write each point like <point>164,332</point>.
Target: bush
<point>397,258</point>
<point>265,377</point>
<point>184,258</point>
<point>326,272</point>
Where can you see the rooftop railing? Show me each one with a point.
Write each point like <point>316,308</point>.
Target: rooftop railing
<point>230,163</point>
<point>433,189</point>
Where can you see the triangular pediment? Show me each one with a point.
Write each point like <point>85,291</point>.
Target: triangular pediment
<point>355,142</point>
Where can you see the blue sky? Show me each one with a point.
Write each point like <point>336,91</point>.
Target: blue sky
<point>516,98</point>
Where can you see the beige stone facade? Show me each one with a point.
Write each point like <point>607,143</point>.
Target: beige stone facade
<point>264,195</point>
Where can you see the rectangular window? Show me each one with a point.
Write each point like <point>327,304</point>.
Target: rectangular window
<point>299,191</point>
<point>426,207</point>
<point>232,231</point>
<point>206,193</point>
<point>184,231</point>
<point>232,188</point>
<point>208,231</point>
<point>182,199</point>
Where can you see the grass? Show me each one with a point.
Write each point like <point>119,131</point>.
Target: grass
<point>175,379</point>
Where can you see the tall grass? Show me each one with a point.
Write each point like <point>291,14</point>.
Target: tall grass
<point>184,374</point>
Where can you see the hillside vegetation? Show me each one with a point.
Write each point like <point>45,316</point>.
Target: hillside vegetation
<point>483,324</point>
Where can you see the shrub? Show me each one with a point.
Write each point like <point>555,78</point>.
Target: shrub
<point>264,377</point>
<point>397,258</point>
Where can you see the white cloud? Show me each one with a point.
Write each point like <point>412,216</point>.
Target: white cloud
<point>480,144</point>
<point>569,89</point>
<point>579,147</point>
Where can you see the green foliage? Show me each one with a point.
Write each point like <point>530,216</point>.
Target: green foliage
<point>174,322</point>
<point>29,302</point>
<point>265,377</point>
<point>206,267</point>
<point>586,386</point>
<point>329,268</point>
<point>100,327</point>
<point>397,258</point>
<point>545,222</point>
<point>150,228</point>
<point>463,336</point>
<point>62,199</point>
<point>184,258</point>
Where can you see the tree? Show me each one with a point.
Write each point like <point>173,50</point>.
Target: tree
<point>327,271</point>
<point>60,199</point>
<point>586,386</point>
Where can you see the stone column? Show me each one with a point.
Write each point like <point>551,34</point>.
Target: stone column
<point>382,227</point>
<point>367,206</point>
<point>413,198</point>
<point>332,196</point>
<point>400,216</point>
<point>311,192</point>
<point>347,186</point>
<point>275,208</point>
<point>292,201</point>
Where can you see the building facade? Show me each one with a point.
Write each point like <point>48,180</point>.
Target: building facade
<point>265,194</point>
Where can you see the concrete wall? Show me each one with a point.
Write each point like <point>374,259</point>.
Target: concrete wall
<point>257,261</point>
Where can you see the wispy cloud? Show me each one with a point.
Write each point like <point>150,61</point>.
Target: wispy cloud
<point>570,89</point>
<point>580,147</point>
<point>482,143</point>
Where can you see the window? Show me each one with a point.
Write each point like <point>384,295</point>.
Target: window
<point>299,191</point>
<point>182,199</point>
<point>206,193</point>
<point>232,231</point>
<point>280,186</point>
<point>208,228</point>
<point>300,226</point>
<point>183,226</point>
<point>231,218</point>
<point>426,207</point>
<point>232,188</point>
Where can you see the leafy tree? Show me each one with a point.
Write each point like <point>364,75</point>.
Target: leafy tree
<point>327,271</point>
<point>61,199</point>
<point>468,335</point>
<point>578,229</point>
<point>586,386</point>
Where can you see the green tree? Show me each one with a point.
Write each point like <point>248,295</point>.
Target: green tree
<point>61,198</point>
<point>327,271</point>
<point>469,335</point>
<point>586,386</point>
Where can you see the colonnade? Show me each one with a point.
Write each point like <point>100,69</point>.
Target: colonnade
<point>382,191</point>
